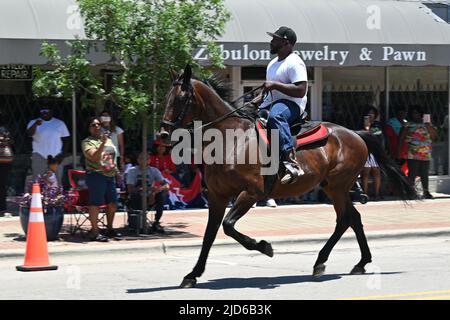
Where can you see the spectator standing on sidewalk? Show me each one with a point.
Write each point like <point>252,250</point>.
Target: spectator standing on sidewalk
<point>6,159</point>
<point>392,131</point>
<point>116,134</point>
<point>50,137</point>
<point>371,166</point>
<point>418,135</point>
<point>101,170</point>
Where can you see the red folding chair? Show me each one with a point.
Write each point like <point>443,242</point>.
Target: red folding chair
<point>77,204</point>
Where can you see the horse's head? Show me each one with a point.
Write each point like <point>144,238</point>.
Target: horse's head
<point>178,111</point>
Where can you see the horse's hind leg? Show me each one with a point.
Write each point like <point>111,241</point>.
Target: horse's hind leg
<point>217,207</point>
<point>342,223</point>
<point>357,227</point>
<point>243,203</point>
<point>347,216</point>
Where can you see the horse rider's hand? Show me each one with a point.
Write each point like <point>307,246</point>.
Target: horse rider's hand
<point>269,86</point>
<point>257,100</point>
<point>251,104</point>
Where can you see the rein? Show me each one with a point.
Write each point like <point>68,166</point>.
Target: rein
<point>188,104</point>
<point>231,112</point>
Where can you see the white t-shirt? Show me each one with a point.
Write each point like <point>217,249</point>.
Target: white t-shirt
<point>47,138</point>
<point>290,70</point>
<point>114,138</point>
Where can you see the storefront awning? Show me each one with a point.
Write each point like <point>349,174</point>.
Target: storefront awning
<point>25,24</point>
<point>338,32</point>
<point>330,32</point>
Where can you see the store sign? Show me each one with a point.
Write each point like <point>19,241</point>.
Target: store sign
<point>16,72</point>
<point>335,54</point>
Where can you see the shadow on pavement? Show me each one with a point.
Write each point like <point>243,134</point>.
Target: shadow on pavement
<point>240,283</point>
<point>172,231</point>
<point>15,236</point>
<point>256,282</point>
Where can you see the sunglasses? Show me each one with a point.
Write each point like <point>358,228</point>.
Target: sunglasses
<point>95,124</point>
<point>45,111</point>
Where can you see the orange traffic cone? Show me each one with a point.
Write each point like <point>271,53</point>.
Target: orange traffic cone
<point>36,255</point>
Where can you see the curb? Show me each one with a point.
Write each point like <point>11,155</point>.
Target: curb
<point>174,246</point>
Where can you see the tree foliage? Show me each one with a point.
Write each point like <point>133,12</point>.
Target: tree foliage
<point>145,39</point>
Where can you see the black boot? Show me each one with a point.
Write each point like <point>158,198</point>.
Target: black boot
<point>292,169</point>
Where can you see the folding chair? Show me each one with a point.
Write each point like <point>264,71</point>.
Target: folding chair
<point>79,200</point>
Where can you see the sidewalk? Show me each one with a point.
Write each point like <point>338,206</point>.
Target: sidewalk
<point>295,223</point>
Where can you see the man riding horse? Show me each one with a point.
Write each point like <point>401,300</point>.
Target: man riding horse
<point>333,165</point>
<point>285,92</point>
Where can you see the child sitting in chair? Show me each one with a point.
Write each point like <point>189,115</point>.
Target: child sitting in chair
<point>50,176</point>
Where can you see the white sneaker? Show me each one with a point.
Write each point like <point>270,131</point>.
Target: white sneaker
<point>271,203</point>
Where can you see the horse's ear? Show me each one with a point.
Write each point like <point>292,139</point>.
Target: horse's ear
<point>174,75</point>
<point>187,75</point>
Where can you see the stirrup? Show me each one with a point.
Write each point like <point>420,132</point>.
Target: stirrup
<point>291,173</point>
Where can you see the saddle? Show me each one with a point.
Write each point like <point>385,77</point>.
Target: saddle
<point>306,134</point>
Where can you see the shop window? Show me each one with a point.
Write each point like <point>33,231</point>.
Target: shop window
<point>433,100</point>
<point>427,87</point>
<point>441,10</point>
<point>253,73</point>
<point>345,105</point>
<point>20,109</point>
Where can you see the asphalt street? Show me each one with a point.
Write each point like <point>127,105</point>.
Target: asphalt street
<point>401,269</point>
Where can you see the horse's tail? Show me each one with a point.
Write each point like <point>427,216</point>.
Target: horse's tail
<point>388,167</point>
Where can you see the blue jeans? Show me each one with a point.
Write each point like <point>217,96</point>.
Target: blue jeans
<point>282,114</point>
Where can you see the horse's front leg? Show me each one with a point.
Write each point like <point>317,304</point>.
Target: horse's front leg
<point>242,205</point>
<point>217,206</point>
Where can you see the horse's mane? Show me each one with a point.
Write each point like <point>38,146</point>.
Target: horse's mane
<point>223,89</point>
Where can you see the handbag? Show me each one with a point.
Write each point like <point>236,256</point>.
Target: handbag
<point>6,154</point>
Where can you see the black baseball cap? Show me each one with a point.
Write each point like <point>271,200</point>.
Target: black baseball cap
<point>285,33</point>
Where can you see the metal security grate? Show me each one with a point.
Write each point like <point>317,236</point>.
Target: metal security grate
<point>345,105</point>
<point>20,109</point>
<point>434,100</point>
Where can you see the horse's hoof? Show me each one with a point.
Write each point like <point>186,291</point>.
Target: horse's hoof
<point>319,270</point>
<point>358,270</point>
<point>188,283</point>
<point>265,248</point>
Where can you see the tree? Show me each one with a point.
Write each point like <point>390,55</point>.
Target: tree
<point>145,40</point>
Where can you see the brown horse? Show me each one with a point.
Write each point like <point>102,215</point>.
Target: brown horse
<point>334,166</point>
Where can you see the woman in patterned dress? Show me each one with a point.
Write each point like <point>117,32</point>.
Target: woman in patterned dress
<point>418,135</point>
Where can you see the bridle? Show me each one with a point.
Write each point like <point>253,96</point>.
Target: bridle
<point>187,106</point>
